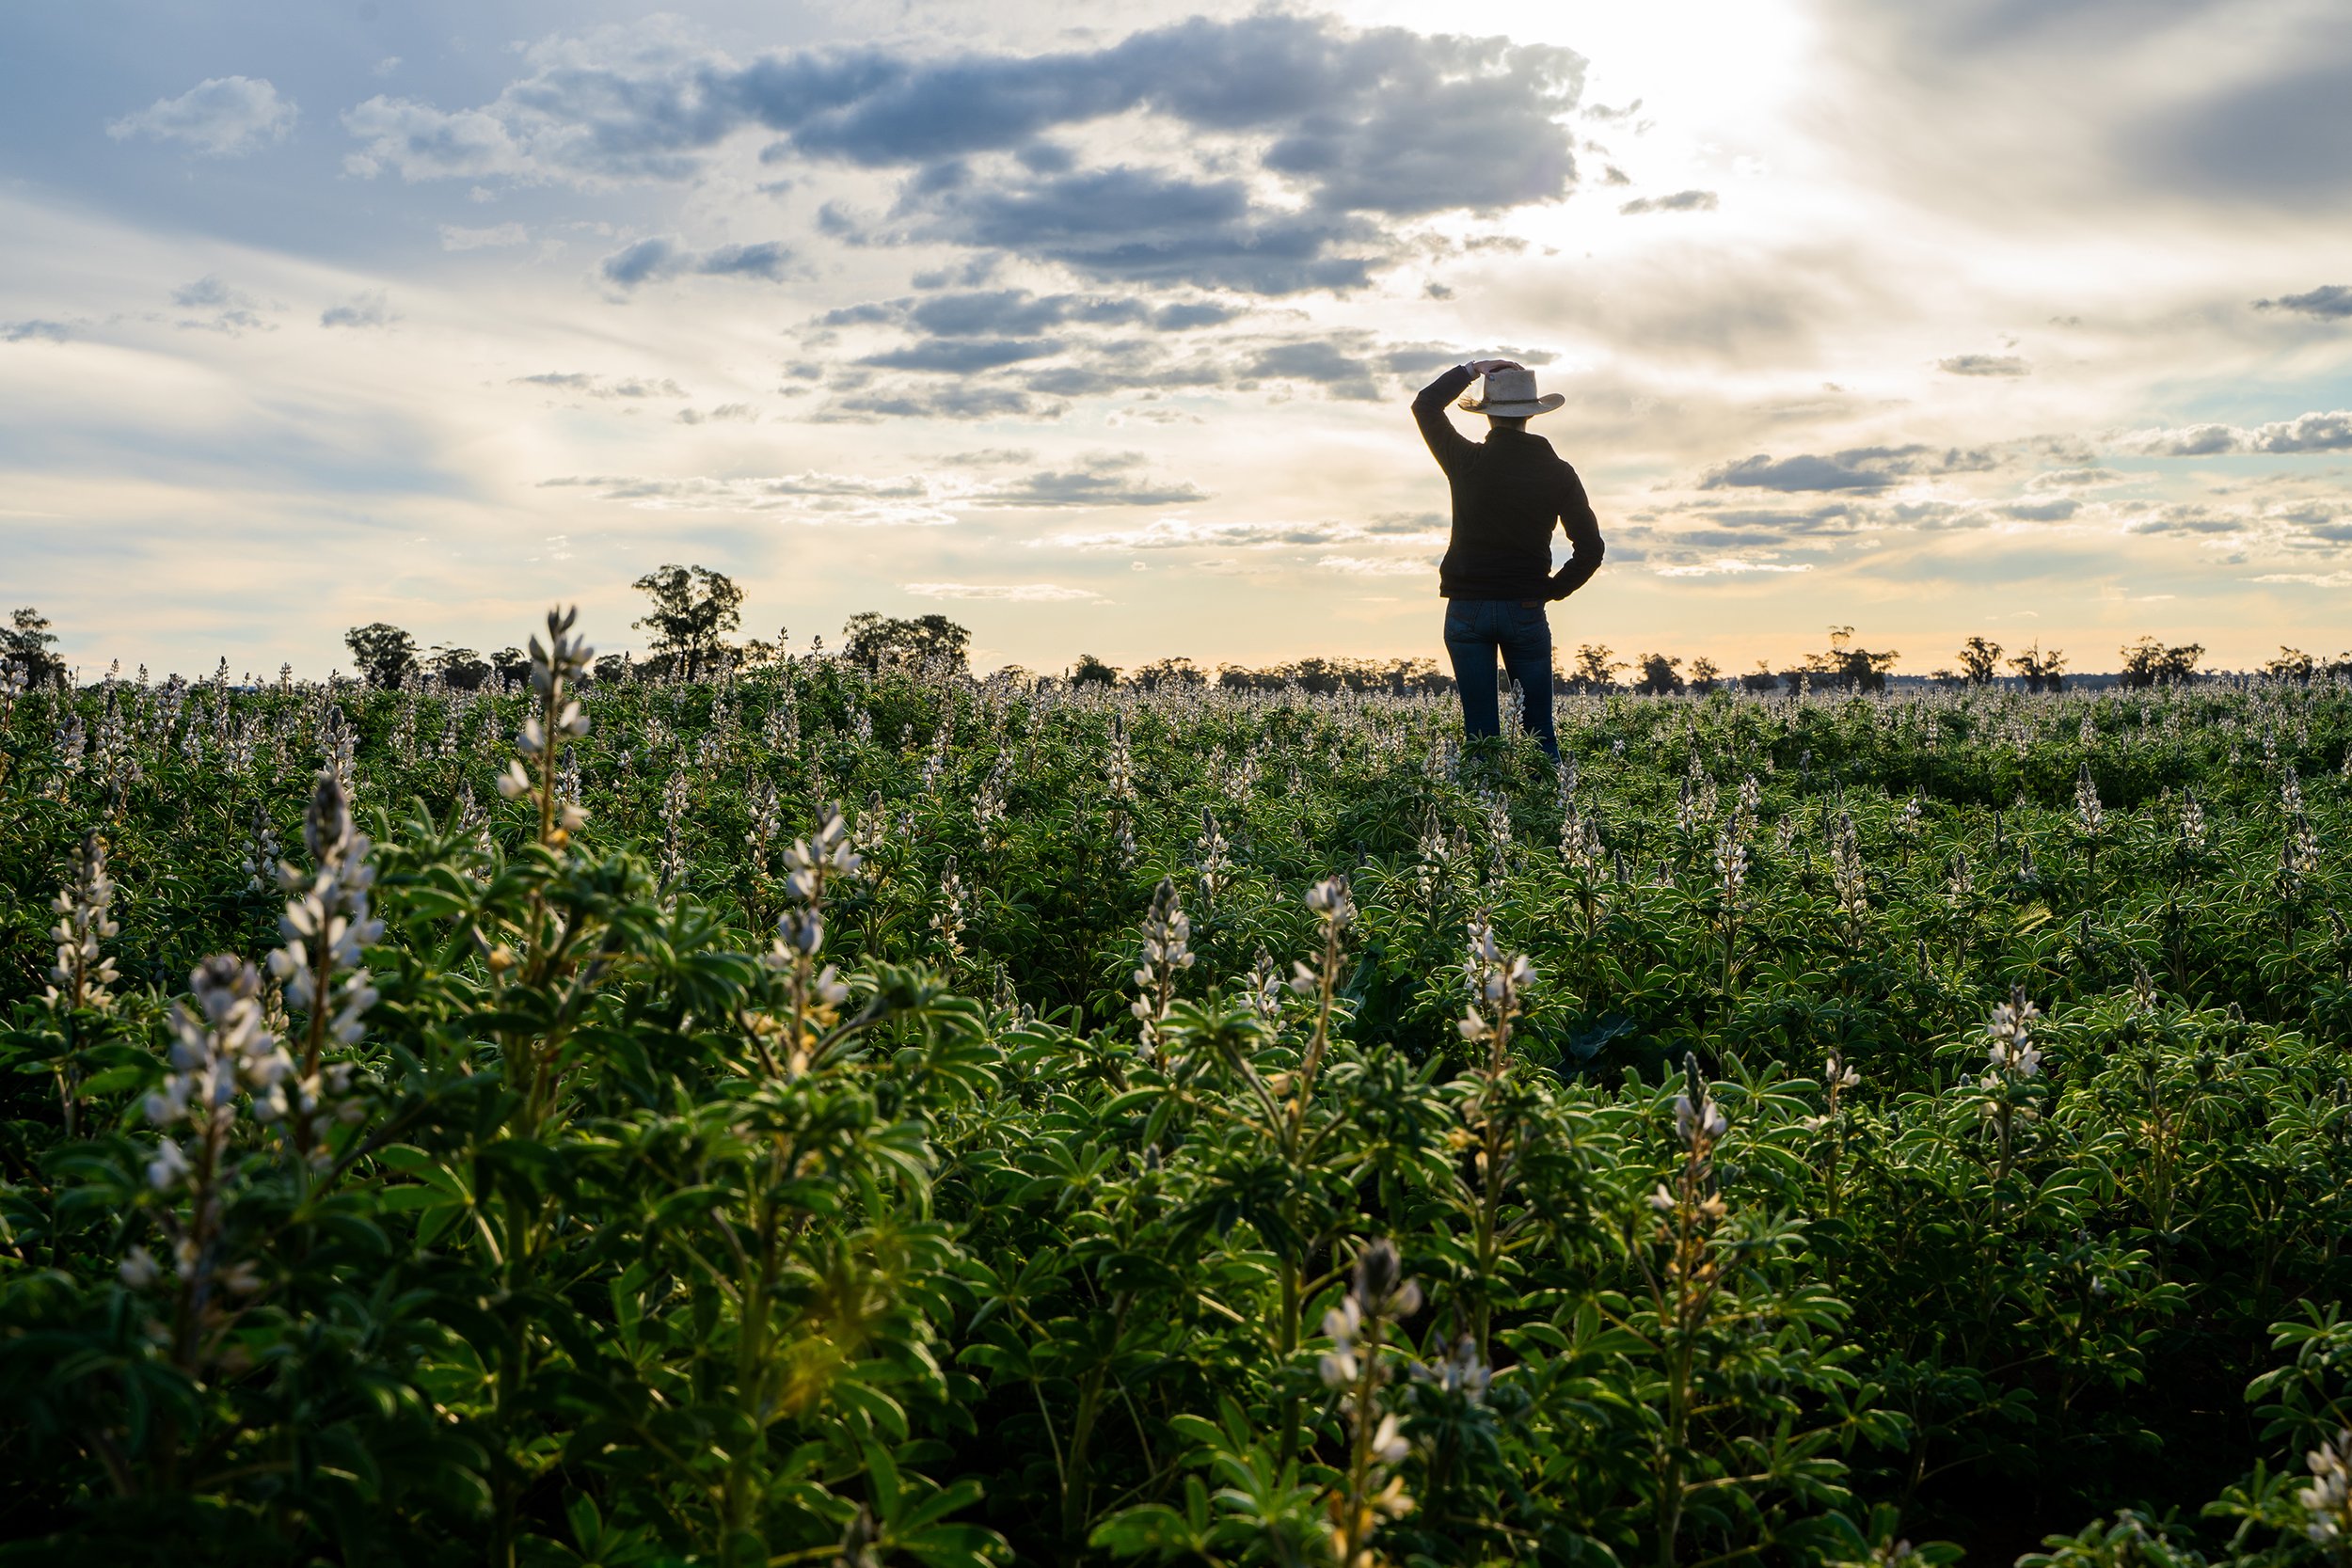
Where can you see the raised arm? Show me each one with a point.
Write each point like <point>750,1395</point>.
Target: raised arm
<point>1583,531</point>
<point>1446,443</point>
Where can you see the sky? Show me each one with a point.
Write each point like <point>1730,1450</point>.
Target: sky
<point>2022,318</point>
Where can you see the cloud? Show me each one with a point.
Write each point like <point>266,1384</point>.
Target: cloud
<point>659,258</point>
<point>836,500</point>
<point>2328,302</point>
<point>1984,364</point>
<point>2281,139</point>
<point>2309,579</point>
<point>1018,314</point>
<point>1022,592</point>
<point>2075,478</point>
<point>1727,566</point>
<point>960,400</point>
<point>1681,201</point>
<point>1856,468</point>
<point>1358,128</point>
<point>1375,566</point>
<point>366,309</point>
<point>1182,534</point>
<point>223,117</point>
<point>27,331</point>
<point>2305,432</point>
<point>599,386</point>
<point>233,310</point>
<point>1152,227</point>
<point>724,413</point>
<point>1740,526</point>
<point>1103,479</point>
<point>454,237</point>
<point>2053,511</point>
<point>963,356</point>
<point>1340,374</point>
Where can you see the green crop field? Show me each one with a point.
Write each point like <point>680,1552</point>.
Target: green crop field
<point>1172,1127</point>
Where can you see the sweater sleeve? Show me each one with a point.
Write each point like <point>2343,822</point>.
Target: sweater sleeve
<point>1446,444</point>
<point>1583,531</point>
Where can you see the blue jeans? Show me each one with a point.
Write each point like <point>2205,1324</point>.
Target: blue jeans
<point>1475,631</point>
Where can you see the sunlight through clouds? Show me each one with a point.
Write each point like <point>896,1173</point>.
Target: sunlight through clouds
<point>1855,311</point>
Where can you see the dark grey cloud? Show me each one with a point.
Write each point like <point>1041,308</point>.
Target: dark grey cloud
<point>660,257</point>
<point>1984,364</point>
<point>1380,120</point>
<point>1680,201</point>
<point>639,262</point>
<point>2283,139</point>
<point>1365,126</point>
<point>1112,367</point>
<point>1018,314</point>
<point>1831,518</point>
<point>2328,302</point>
<point>1103,479</point>
<point>1341,375</point>
<point>960,399</point>
<point>963,356</point>
<point>1152,228</point>
<point>367,310</point>
<point>27,331</point>
<point>2188,519</point>
<point>1186,316</point>
<point>1863,468</point>
<point>766,259</point>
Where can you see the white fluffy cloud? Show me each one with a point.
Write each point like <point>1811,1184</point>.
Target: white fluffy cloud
<point>2305,432</point>
<point>223,116</point>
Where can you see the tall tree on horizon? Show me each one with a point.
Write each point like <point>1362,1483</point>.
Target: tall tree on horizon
<point>386,654</point>
<point>1980,661</point>
<point>694,608</point>
<point>25,641</point>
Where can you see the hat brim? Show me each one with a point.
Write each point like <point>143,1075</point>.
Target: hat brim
<point>1520,410</point>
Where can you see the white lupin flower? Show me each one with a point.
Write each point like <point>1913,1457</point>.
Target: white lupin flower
<point>138,1268</point>
<point>1387,1441</point>
<point>1704,1119</point>
<point>1167,951</point>
<point>2011,1053</point>
<point>2326,1502</point>
<point>83,974</point>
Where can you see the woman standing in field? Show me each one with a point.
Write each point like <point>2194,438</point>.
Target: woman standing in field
<point>1509,491</point>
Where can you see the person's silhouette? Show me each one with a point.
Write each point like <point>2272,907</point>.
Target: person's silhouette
<point>1509,492</point>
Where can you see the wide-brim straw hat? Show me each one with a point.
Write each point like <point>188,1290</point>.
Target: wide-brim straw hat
<point>1511,395</point>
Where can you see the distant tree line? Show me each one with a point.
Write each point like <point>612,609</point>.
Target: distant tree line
<point>692,610</point>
